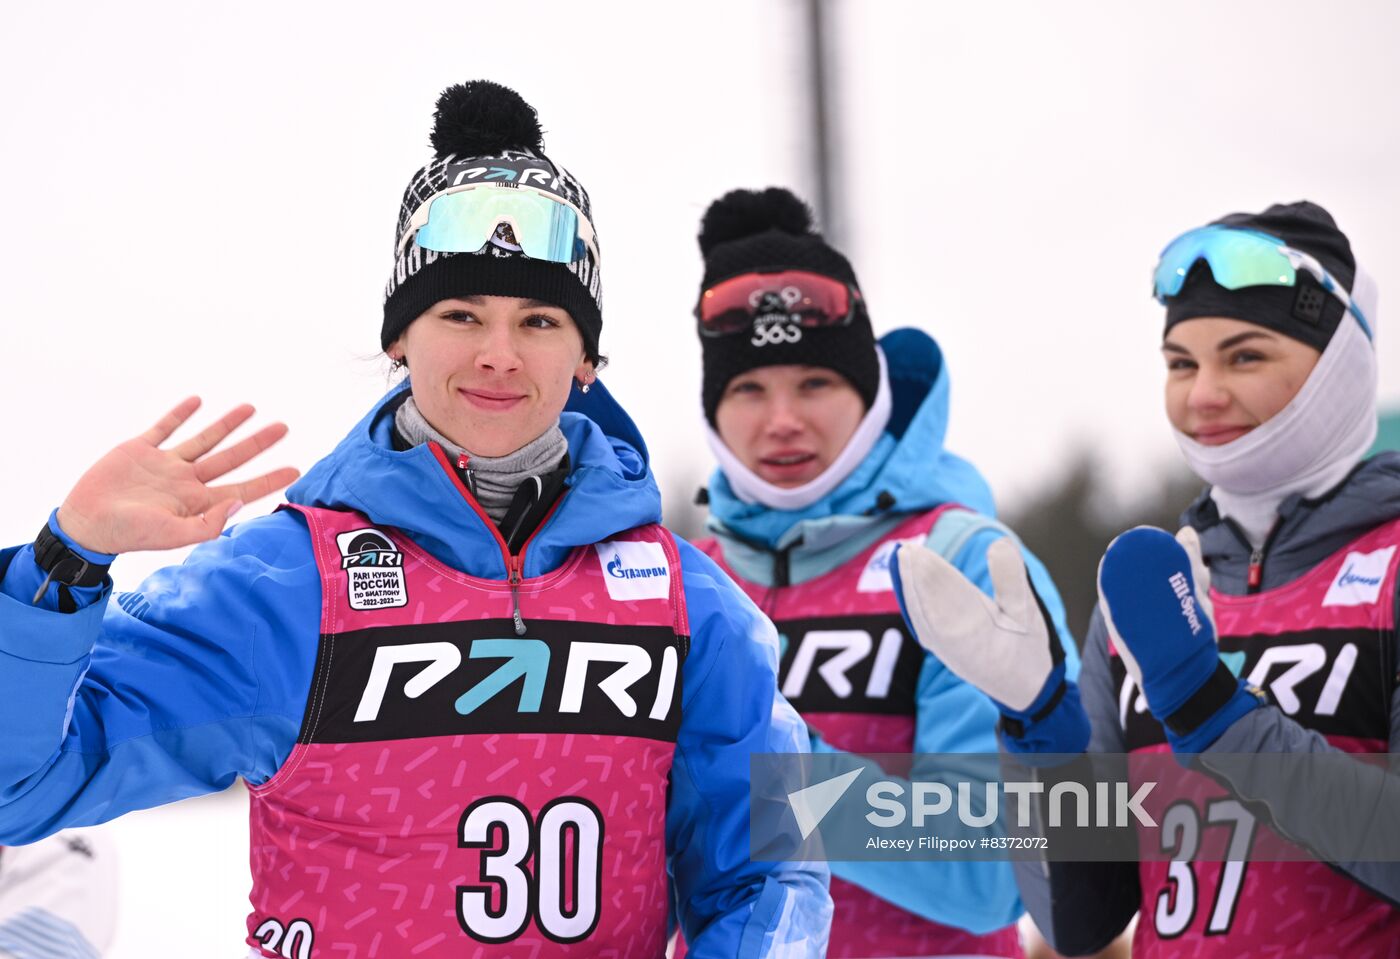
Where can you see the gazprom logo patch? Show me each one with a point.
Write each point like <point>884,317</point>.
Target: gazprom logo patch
<point>617,569</point>
<point>875,577</point>
<point>634,571</point>
<point>1358,582</point>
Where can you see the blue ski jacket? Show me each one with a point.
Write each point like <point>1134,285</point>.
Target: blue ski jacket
<point>908,471</point>
<point>201,675</point>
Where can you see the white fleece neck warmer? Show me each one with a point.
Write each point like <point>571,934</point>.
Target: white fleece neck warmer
<point>749,487</point>
<point>1310,445</point>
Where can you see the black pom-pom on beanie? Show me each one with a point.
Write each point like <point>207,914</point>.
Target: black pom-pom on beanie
<point>764,231</point>
<point>482,117</point>
<point>744,213</point>
<point>477,126</point>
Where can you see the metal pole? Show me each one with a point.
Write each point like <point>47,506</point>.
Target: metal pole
<point>819,73</point>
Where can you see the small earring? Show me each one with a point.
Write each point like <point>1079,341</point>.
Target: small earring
<point>584,387</point>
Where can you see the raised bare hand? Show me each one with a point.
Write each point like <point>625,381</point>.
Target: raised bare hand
<point>140,496</point>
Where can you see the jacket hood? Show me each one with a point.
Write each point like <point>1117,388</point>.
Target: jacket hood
<point>609,489</point>
<point>1307,530</point>
<point>908,470</point>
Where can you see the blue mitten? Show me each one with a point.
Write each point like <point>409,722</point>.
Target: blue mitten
<point>1161,623</point>
<point>1005,645</point>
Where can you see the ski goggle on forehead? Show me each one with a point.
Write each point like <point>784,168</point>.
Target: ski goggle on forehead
<point>1239,258</point>
<point>463,219</point>
<point>796,297</point>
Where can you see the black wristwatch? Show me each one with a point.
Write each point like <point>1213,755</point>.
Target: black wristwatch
<point>64,566</point>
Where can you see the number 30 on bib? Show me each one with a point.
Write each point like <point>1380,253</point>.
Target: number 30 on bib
<point>567,843</point>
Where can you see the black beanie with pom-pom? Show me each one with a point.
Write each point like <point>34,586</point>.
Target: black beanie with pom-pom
<point>749,231</point>
<point>1305,311</point>
<point>482,130</point>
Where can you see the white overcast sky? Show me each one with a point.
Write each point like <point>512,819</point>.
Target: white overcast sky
<point>200,197</point>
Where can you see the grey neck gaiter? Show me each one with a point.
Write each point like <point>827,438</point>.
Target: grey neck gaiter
<point>493,480</point>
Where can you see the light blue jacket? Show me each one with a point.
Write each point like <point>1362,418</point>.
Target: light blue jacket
<point>201,675</point>
<point>908,471</point>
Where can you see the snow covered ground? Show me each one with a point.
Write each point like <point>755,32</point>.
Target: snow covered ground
<point>184,879</point>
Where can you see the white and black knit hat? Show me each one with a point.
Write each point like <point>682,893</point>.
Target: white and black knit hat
<point>482,129</point>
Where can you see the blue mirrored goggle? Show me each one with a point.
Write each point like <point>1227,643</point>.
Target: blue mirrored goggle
<point>465,219</point>
<point>1239,258</point>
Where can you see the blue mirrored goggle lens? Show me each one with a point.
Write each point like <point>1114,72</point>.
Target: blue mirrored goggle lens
<point>464,222</point>
<point>1240,258</point>
<point>1237,258</point>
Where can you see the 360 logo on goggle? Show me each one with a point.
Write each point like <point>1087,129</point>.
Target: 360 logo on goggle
<point>1239,258</point>
<point>464,219</point>
<point>793,297</point>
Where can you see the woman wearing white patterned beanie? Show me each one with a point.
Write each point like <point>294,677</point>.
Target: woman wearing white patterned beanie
<point>485,703</point>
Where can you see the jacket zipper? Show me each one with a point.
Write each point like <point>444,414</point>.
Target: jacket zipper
<point>782,567</point>
<point>1254,578</point>
<point>782,574</point>
<point>514,563</point>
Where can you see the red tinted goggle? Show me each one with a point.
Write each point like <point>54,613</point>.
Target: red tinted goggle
<point>794,297</point>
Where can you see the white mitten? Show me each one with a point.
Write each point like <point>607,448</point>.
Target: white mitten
<point>1000,644</point>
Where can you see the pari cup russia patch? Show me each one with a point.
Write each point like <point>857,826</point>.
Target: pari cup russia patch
<point>374,569</point>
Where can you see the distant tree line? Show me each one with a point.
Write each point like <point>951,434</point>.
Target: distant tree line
<point>1070,523</point>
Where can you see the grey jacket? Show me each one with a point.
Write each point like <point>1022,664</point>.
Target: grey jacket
<point>1081,907</point>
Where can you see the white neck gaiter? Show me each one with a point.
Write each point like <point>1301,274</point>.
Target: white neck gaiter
<point>1310,445</point>
<point>749,487</point>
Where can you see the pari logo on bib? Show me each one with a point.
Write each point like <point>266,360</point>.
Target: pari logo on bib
<point>634,570</point>
<point>1358,583</point>
<point>374,569</point>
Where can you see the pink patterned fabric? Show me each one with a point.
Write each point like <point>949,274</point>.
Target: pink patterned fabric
<point>866,705</point>
<point>403,826</point>
<point>1312,644</point>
